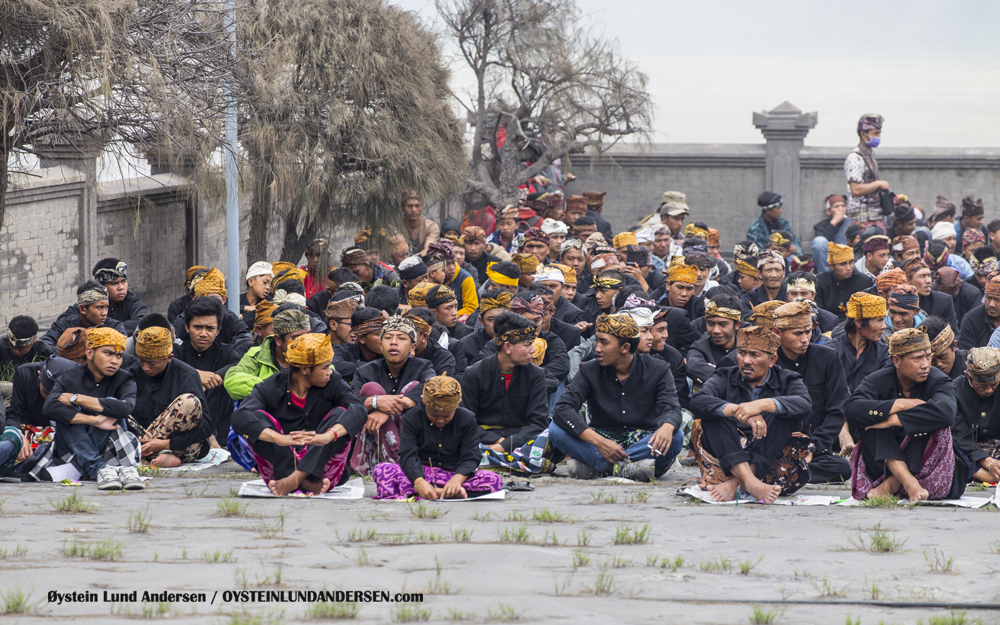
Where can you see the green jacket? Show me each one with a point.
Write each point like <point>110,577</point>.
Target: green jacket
<point>257,365</point>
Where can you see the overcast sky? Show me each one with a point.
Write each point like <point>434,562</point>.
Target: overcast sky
<point>932,69</point>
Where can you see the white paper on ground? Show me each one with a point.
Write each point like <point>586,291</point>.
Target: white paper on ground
<point>353,489</point>
<point>746,498</point>
<point>214,458</point>
<point>499,495</point>
<point>62,472</point>
<point>965,502</point>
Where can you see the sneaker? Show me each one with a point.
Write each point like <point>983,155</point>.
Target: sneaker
<point>107,479</point>
<point>130,478</point>
<point>641,471</point>
<point>580,470</point>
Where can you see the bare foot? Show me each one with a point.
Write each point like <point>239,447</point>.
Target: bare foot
<point>916,492</point>
<point>317,488</point>
<point>886,489</point>
<point>726,491</point>
<point>166,461</point>
<point>283,486</point>
<point>763,492</point>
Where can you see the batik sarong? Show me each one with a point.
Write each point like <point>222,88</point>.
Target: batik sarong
<point>392,483</point>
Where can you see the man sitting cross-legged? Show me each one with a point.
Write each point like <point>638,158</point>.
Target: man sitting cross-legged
<point>746,439</point>
<point>634,430</point>
<point>506,393</point>
<point>171,416</point>
<point>977,426</point>
<point>300,421</point>
<point>388,387</point>
<point>438,450</point>
<point>904,415</point>
<point>89,404</point>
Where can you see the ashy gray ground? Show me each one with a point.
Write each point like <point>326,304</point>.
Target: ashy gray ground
<point>799,564</point>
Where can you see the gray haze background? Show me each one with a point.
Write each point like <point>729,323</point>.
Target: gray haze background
<point>931,68</point>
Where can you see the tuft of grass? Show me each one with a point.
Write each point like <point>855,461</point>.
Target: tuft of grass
<point>504,614</point>
<point>618,562</point>
<point>889,501</point>
<point>519,535</point>
<point>420,510</point>
<point>640,496</point>
<point>722,565</point>
<point>826,588</point>
<point>515,516</point>
<point>16,601</point>
<point>19,551</point>
<point>952,619</point>
<point>852,621</point>
<point>74,504</point>
<point>438,586</point>
<point>873,589</point>
<point>149,470</point>
<point>461,535</point>
<point>603,497</point>
<point>138,521</point>
<point>580,559</point>
<point>995,549</point>
<point>457,616</point>
<point>231,507</point>
<point>550,538</point>
<point>483,517</point>
<point>674,564</point>
<point>364,559</point>
<point>99,550</point>
<point>148,610</point>
<point>218,556</point>
<point>374,515</point>
<point>410,613</point>
<point>583,538</point>
<point>628,535</point>
<point>747,566</point>
<point>760,616</point>
<point>3,500</point>
<point>333,611</point>
<point>361,535</point>
<point>939,563</point>
<point>274,529</point>
<point>548,516</point>
<point>652,559</point>
<point>878,540</point>
<point>604,583</point>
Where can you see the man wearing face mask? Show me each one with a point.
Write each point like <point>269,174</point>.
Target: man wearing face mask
<point>863,182</point>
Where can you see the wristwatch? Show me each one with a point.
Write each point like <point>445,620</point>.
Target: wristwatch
<point>72,399</point>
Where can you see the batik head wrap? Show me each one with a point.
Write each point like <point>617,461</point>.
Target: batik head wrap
<point>601,262</point>
<point>288,321</point>
<point>779,239</point>
<point>92,296</point>
<point>875,243</point>
<point>474,234</point>
<point>913,266</point>
<point>973,236</point>
<point>607,283</point>
<point>576,202</point>
<point>342,309</point>
<point>748,269</point>
<point>522,335</point>
<point>262,313</point>
<point>763,314</point>
<point>569,274</point>
<point>633,301</point>
<point>443,249</point>
<point>692,230</point>
<point>679,272</point>
<point>904,243</point>
<point>281,296</point>
<point>624,239</point>
<point>102,336</point>
<point>411,268</point>
<point>621,325</point>
<point>758,338</point>
<point>943,207</point>
<point>350,290</point>
<point>984,268</point>
<point>908,340</point>
<point>596,240</point>
<point>109,274</point>
<point>992,285</point>
<point>354,256</point>
<point>372,326</point>
<point>534,234</point>
<point>399,324</point>
<point>742,253</point>
<point>259,268</point>
<point>551,226</point>
<point>281,265</point>
<point>971,207</point>
<point>193,269</point>
<point>595,199</point>
<point>936,262</point>
<point>765,257</point>
<point>154,343</point>
<point>442,394</point>
<point>524,303</point>
<point>570,244</point>
<point>948,280</point>
<point>886,280</point>
<point>643,316</point>
<point>527,263</point>
<point>837,253</point>
<point>792,315</point>
<point>502,300</point>
<point>433,262</point>
<point>714,310</point>
<point>439,295</point>
<point>713,238</point>
<point>801,283</point>
<point>417,296</point>
<point>287,276</point>
<point>944,341</point>
<point>983,365</point>
<point>904,296</point>
<point>868,122</point>
<point>72,344</point>
<point>549,273</point>
<point>699,259</point>
<point>309,350</point>
<point>501,278</point>
<point>768,200</point>
<point>866,306</point>
<point>212,282</point>
<point>421,326</point>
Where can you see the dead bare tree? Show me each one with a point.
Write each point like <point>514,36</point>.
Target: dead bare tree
<point>348,106</point>
<point>546,88</point>
<point>149,74</point>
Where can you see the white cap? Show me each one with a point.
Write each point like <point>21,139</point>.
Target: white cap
<point>551,226</point>
<point>643,317</point>
<point>645,235</point>
<point>943,229</point>
<point>548,273</point>
<point>260,268</point>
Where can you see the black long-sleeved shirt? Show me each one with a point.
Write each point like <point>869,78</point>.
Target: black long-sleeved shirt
<point>414,370</point>
<point>155,393</point>
<point>968,298</point>
<point>454,447</point>
<point>459,331</point>
<point>116,394</point>
<point>129,312</point>
<point>703,357</point>
<point>26,401</point>
<point>831,293</point>
<point>347,357</point>
<point>977,421</point>
<point>567,312</point>
<point>474,343</point>
<point>177,307</point>
<point>71,319</point>
<point>646,399</point>
<point>941,305</point>
<point>976,329</point>
<point>680,333</point>
<point>555,363</point>
<point>727,386</point>
<point>872,401</point>
<point>523,407</point>
<point>39,351</point>
<point>755,297</point>
<point>874,357</point>
<point>232,332</point>
<point>568,333</point>
<point>441,359</point>
<point>218,358</point>
<point>274,397</point>
<point>679,370</point>
<point>823,375</point>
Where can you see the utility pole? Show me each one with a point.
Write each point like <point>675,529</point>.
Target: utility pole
<point>232,190</point>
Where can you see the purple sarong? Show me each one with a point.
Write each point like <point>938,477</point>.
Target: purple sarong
<point>392,483</point>
<point>937,468</point>
<point>370,450</point>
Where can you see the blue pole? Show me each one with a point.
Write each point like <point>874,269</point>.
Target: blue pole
<point>232,190</point>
